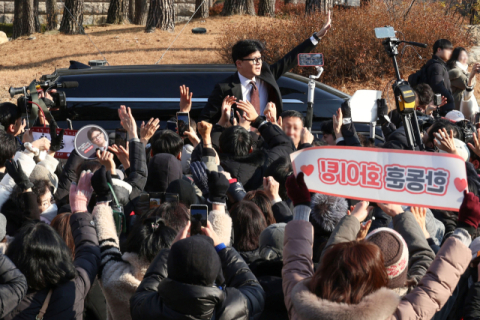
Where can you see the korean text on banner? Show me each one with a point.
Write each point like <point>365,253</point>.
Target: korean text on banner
<point>68,139</point>
<point>433,180</point>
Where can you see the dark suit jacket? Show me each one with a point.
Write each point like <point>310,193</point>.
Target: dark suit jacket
<point>270,73</point>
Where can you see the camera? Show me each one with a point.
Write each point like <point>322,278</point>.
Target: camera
<point>467,130</point>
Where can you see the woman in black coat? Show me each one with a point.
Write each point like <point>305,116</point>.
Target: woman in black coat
<point>13,286</point>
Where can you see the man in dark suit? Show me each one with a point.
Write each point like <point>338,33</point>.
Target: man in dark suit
<point>255,80</point>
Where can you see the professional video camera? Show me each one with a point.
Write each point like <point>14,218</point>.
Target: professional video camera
<point>404,95</point>
<point>30,104</point>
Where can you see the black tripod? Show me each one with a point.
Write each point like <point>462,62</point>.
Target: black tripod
<point>404,96</point>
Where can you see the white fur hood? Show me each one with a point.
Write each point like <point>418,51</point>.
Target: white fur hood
<point>379,305</point>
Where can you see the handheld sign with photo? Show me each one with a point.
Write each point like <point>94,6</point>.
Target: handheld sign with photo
<point>413,178</point>
<point>89,139</point>
<point>68,140</point>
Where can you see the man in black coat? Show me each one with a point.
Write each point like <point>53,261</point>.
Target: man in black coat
<point>255,80</point>
<point>437,73</point>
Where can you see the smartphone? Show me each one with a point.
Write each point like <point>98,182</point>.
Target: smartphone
<point>310,59</point>
<point>198,217</point>
<point>156,199</point>
<point>183,123</point>
<point>385,32</point>
<point>476,119</point>
<point>437,99</point>
<point>172,126</point>
<point>171,197</point>
<point>121,137</point>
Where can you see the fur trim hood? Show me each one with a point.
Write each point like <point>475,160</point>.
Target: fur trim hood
<point>327,211</point>
<point>379,305</point>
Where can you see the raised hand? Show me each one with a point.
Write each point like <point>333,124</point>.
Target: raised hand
<point>297,190</point>
<point>122,154</point>
<point>205,128</point>
<point>445,141</point>
<point>420,215</point>
<point>271,187</point>
<point>242,122</point>
<point>250,112</point>
<point>271,112</point>
<point>185,99</point>
<point>476,148</point>
<point>106,159</point>
<point>148,130</point>
<point>360,210</point>
<point>391,209</point>
<point>128,121</point>
<point>306,137</point>
<point>192,136</point>
<point>81,193</point>
<point>14,169</point>
<point>326,26</point>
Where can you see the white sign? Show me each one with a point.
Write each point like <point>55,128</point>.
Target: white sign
<point>413,178</point>
<point>68,140</point>
<point>363,104</point>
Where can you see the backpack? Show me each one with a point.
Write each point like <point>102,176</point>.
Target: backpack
<point>418,77</point>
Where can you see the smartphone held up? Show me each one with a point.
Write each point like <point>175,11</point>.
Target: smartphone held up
<point>198,217</point>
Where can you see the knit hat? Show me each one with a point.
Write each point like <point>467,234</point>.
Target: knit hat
<point>327,211</point>
<point>163,168</point>
<point>194,261</point>
<point>185,190</point>
<point>271,241</point>
<point>395,253</point>
<point>40,172</point>
<point>3,227</point>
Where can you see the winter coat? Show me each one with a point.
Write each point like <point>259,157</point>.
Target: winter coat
<point>472,303</point>
<point>459,83</point>
<point>67,301</point>
<point>120,275</point>
<point>159,297</point>
<point>68,175</point>
<point>282,212</point>
<point>420,253</point>
<point>250,256</point>
<point>13,286</point>
<point>439,80</point>
<point>427,298</point>
<point>249,170</point>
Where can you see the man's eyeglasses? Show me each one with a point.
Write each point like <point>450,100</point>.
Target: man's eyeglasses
<point>254,60</point>
<point>97,137</point>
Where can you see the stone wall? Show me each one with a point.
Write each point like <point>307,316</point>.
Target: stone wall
<point>95,11</point>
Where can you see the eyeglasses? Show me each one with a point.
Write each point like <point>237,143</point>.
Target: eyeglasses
<point>254,60</point>
<point>97,137</point>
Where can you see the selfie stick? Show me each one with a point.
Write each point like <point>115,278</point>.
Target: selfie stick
<point>311,96</point>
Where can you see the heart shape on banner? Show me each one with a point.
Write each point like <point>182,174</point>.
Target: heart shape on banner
<point>307,169</point>
<point>460,184</point>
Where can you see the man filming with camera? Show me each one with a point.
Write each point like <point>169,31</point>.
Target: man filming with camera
<point>255,80</point>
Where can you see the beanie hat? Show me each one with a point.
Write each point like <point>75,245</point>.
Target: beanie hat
<point>395,252</point>
<point>327,210</point>
<point>271,241</point>
<point>3,227</point>
<point>41,172</point>
<point>185,190</point>
<point>195,261</point>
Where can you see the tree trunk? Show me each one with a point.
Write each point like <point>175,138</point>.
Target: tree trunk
<point>28,16</point>
<point>125,12</point>
<point>131,10</point>
<point>291,1</point>
<point>36,15</point>
<point>115,12</point>
<point>266,8</point>
<point>250,7</point>
<point>72,25</point>
<point>232,7</point>
<point>161,15</point>
<point>18,19</point>
<point>141,10</point>
<point>51,6</point>
<point>318,6</point>
<point>203,12</point>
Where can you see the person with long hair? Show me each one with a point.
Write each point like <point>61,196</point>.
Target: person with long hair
<point>352,280</point>
<point>461,80</point>
<point>44,258</point>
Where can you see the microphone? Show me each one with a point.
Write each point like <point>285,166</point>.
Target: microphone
<point>417,44</point>
<point>66,84</point>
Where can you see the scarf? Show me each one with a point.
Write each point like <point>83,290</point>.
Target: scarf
<point>462,66</point>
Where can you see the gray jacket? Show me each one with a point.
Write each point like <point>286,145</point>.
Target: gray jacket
<point>420,254</point>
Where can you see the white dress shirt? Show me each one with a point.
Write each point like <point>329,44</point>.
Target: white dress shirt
<point>247,91</point>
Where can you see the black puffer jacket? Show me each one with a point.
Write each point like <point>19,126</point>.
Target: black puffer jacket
<point>67,301</point>
<point>439,79</point>
<point>13,286</point>
<point>159,297</point>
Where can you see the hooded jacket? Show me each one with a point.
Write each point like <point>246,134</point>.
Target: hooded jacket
<point>67,301</point>
<point>427,298</point>
<point>159,297</point>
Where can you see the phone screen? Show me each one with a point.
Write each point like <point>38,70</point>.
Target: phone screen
<point>156,199</point>
<point>172,126</point>
<point>183,123</point>
<point>310,59</point>
<point>198,217</point>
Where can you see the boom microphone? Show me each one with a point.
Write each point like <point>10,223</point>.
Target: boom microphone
<point>416,44</point>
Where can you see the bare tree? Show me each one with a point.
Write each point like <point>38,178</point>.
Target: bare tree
<point>24,18</point>
<point>203,12</point>
<point>18,30</point>
<point>266,8</point>
<point>141,10</point>
<point>36,14</point>
<point>116,12</point>
<point>161,15</point>
<point>131,10</point>
<point>318,6</point>
<point>291,1</point>
<point>231,7</point>
<point>51,6</point>
<point>72,25</point>
<point>250,7</point>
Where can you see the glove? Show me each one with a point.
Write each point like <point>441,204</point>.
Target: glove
<point>14,169</point>
<point>218,186</point>
<point>199,175</point>
<point>297,190</point>
<point>80,194</point>
<point>346,110</point>
<point>100,180</point>
<point>470,210</point>
<point>56,142</point>
<point>236,192</point>
<point>382,112</point>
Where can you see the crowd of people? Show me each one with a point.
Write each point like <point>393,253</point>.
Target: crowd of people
<point>113,237</point>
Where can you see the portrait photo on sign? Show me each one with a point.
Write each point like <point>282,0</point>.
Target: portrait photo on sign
<point>89,139</point>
